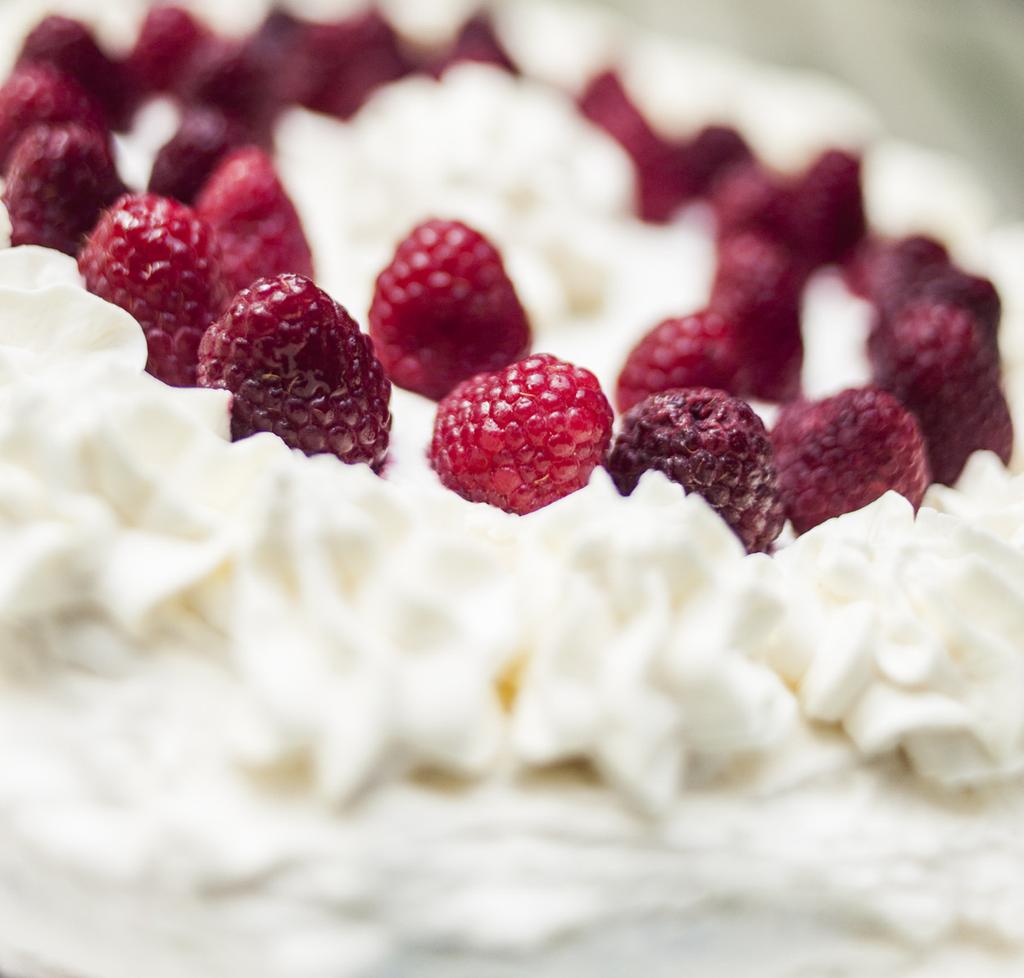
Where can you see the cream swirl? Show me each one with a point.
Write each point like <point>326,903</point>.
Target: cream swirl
<point>907,632</point>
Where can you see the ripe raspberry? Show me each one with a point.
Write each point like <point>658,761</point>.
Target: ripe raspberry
<point>186,161</point>
<point>298,366</point>
<point>154,258</point>
<point>973,293</point>
<point>748,197</point>
<point>693,351</point>
<point>826,220</point>
<point>259,230</point>
<point>59,179</point>
<point>337,66</point>
<point>68,46</point>
<point>711,444</point>
<point>477,42</point>
<point>892,271</point>
<point>225,74</point>
<point>937,359</point>
<point>444,310</point>
<point>757,289</point>
<point>710,155</point>
<point>522,437</point>
<point>169,38</point>
<point>660,165</point>
<point>837,455</point>
<point>40,93</point>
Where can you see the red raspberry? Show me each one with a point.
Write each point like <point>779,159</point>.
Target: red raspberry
<point>837,455</point>
<point>154,258</point>
<point>826,219</point>
<point>68,46</point>
<point>937,359</point>
<point>186,161</point>
<point>748,197</point>
<point>693,351</point>
<point>711,444</point>
<point>227,75</point>
<point>477,42</point>
<point>40,93</point>
<point>59,179</point>
<point>337,66</point>
<point>298,366</point>
<point>444,310</point>
<point>522,437</point>
<point>169,38</point>
<point>710,155</point>
<point>973,293</point>
<point>660,165</point>
<point>892,271</point>
<point>757,289</point>
<point>260,232</point>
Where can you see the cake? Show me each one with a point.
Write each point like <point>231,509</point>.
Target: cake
<point>266,713</point>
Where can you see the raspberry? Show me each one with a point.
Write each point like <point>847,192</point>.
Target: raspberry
<point>59,179</point>
<point>227,75</point>
<point>892,271</point>
<point>710,155</point>
<point>837,455</point>
<point>259,230</point>
<point>938,361</point>
<point>757,289</point>
<point>41,93</point>
<point>971,292</point>
<point>298,366</point>
<point>68,46</point>
<point>444,310</point>
<point>522,437</point>
<point>660,165</point>
<point>477,42</point>
<point>169,38</point>
<point>748,197</point>
<point>154,258</point>
<point>826,219</point>
<point>711,444</point>
<point>336,66</point>
<point>186,161</point>
<point>693,351</point>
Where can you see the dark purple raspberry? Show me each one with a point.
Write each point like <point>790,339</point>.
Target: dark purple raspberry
<point>40,93</point>
<point>60,178</point>
<point>336,66</point>
<point>710,155</point>
<point>692,351</point>
<point>477,42</point>
<point>259,229</point>
<point>840,454</point>
<point>937,359</point>
<point>298,366</point>
<point>826,219</point>
<point>891,272</point>
<point>444,310</point>
<point>522,437</point>
<point>709,443</point>
<point>226,74</point>
<point>68,46</point>
<point>157,260</point>
<point>749,197</point>
<point>169,38</point>
<point>186,161</point>
<point>660,164</point>
<point>757,289</point>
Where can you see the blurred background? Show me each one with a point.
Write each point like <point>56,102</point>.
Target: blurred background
<point>945,73</point>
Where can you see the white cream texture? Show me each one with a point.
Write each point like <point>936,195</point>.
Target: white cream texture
<point>236,681</point>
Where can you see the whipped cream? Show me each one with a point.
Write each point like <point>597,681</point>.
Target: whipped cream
<point>273,715</point>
